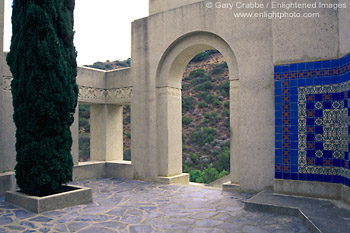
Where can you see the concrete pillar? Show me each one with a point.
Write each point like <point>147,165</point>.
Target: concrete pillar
<point>75,136</point>
<point>234,132</point>
<point>106,127</point>
<point>1,75</point>
<point>170,132</point>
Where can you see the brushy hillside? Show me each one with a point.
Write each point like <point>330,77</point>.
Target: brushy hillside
<point>205,117</point>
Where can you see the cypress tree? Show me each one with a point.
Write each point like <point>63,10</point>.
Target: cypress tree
<point>42,60</point>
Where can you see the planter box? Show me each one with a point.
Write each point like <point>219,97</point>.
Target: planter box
<point>74,195</point>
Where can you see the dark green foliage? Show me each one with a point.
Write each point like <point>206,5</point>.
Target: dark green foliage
<point>187,103</point>
<point>223,162</point>
<point>217,102</point>
<point>211,117</point>
<point>206,86</point>
<point>227,105</point>
<point>127,155</point>
<point>206,176</point>
<point>186,120</point>
<point>195,176</point>
<point>84,111</point>
<point>128,134</point>
<point>198,73</point>
<point>210,174</point>
<point>199,76</point>
<point>108,67</point>
<point>202,136</point>
<point>185,86</point>
<point>202,105</point>
<point>193,157</point>
<point>219,69</point>
<point>43,63</point>
<point>225,87</point>
<point>203,55</point>
<point>210,99</point>
<point>200,57</point>
<point>125,63</point>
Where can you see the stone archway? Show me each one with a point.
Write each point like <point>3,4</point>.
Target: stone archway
<point>168,85</point>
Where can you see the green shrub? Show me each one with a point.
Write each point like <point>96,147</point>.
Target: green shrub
<point>220,68</point>
<point>127,155</point>
<point>42,60</point>
<point>107,67</point>
<point>202,105</point>
<point>123,63</point>
<point>227,105</point>
<point>196,176</point>
<point>185,86</point>
<point>202,136</point>
<point>225,113</point>
<point>210,99</point>
<point>83,122</point>
<point>207,85</point>
<point>217,102</point>
<point>200,57</point>
<point>186,120</point>
<point>187,168</point>
<point>187,103</point>
<point>128,134</point>
<point>225,87</point>
<point>193,157</point>
<point>224,93</point>
<point>203,55</point>
<point>223,160</point>
<point>198,73</point>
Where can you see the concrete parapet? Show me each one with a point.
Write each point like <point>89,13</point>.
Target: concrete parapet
<point>120,169</point>
<point>7,182</point>
<point>312,189</point>
<point>89,170</point>
<point>178,179</point>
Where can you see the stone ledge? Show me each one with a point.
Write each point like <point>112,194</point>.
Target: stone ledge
<point>7,182</point>
<point>312,189</point>
<point>178,179</point>
<point>120,169</point>
<point>231,187</point>
<point>77,196</point>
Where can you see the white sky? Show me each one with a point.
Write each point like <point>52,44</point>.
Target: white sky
<point>102,28</point>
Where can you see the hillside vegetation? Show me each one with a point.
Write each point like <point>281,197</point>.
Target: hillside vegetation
<point>205,117</point>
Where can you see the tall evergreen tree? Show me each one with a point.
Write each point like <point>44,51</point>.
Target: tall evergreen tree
<point>42,60</point>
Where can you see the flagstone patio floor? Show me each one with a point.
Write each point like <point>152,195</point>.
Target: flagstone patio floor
<point>136,206</point>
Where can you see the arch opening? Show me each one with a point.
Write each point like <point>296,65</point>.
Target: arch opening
<point>169,100</point>
<point>206,118</point>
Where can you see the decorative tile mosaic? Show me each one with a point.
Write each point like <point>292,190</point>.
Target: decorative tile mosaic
<point>312,112</point>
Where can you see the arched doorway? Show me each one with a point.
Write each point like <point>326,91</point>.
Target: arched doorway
<point>169,114</point>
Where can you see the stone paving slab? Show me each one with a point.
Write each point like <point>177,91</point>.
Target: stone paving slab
<point>136,206</point>
<point>318,215</point>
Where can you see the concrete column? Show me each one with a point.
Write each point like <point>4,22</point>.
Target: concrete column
<point>106,126</point>
<point>75,136</point>
<point>235,162</point>
<point>1,75</point>
<point>170,132</point>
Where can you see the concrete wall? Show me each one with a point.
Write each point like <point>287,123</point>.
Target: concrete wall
<point>344,28</point>
<point>257,44</point>
<point>306,39</point>
<point>154,36</point>
<point>156,6</point>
